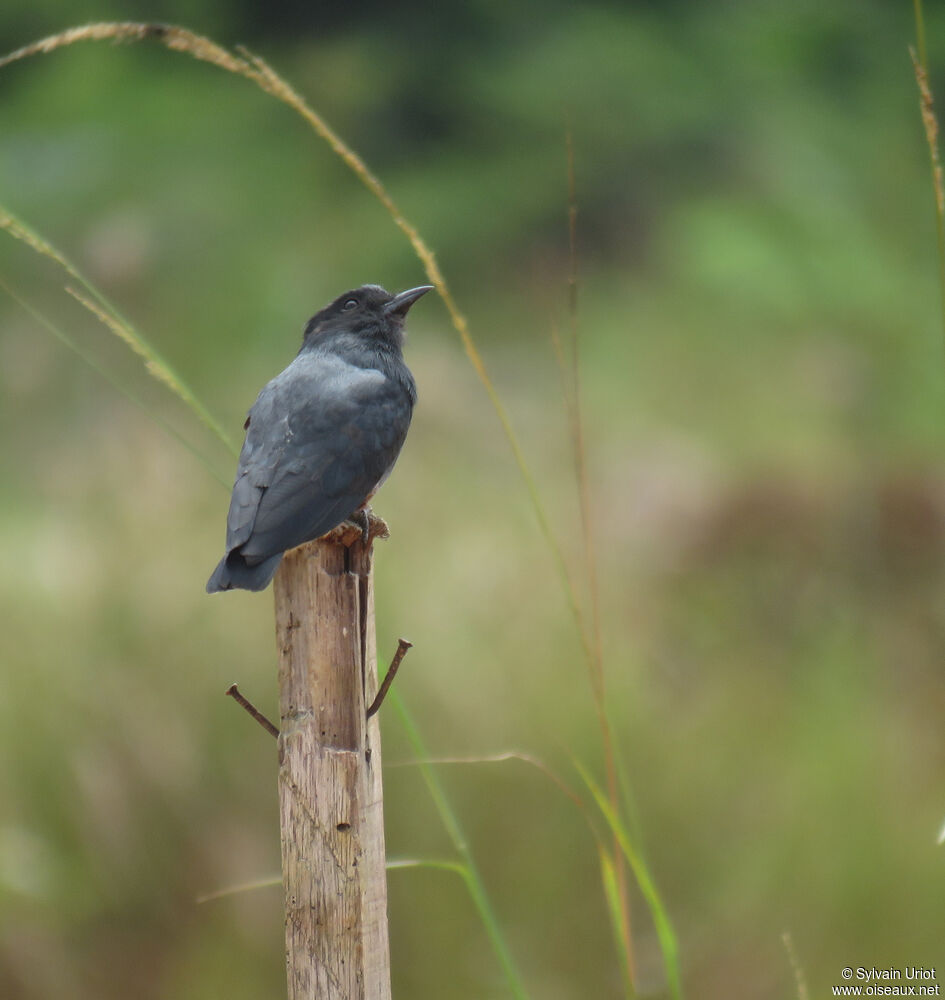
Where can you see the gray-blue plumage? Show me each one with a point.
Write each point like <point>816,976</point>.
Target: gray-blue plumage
<point>322,435</point>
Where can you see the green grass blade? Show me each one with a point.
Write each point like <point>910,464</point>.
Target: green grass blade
<point>270,882</point>
<point>608,879</point>
<point>664,928</point>
<point>446,866</point>
<point>471,876</point>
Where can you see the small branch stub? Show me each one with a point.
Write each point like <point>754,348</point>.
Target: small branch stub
<point>402,646</point>
<point>234,692</point>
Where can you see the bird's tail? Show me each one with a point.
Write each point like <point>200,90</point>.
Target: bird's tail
<point>233,572</point>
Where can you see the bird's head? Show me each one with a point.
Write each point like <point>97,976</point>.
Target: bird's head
<point>366,312</point>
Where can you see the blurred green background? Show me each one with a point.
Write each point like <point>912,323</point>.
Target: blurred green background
<point>763,379</point>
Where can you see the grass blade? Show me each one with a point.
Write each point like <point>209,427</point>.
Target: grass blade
<point>664,928</point>
<point>236,890</point>
<point>800,980</point>
<point>595,643</point>
<point>617,911</point>
<point>468,869</point>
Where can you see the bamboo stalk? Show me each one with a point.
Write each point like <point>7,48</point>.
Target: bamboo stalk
<point>330,792</point>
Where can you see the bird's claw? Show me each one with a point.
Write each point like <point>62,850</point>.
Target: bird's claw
<point>361,519</point>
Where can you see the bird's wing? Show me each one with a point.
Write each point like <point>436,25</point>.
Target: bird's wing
<point>259,458</point>
<point>310,460</point>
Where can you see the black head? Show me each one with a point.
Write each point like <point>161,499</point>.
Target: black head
<point>367,312</point>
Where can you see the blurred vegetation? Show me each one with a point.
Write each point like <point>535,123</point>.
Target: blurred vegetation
<point>763,378</point>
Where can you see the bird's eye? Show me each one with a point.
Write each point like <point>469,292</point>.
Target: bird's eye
<point>350,304</point>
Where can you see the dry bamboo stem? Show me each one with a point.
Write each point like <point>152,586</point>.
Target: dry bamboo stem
<point>330,793</point>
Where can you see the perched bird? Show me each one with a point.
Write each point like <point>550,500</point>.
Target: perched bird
<point>322,436</point>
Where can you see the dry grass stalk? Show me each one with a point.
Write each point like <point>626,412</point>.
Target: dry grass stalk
<point>930,124</point>
<point>800,981</point>
<point>594,642</point>
<point>157,368</point>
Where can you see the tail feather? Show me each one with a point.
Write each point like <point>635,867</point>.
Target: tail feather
<point>233,572</point>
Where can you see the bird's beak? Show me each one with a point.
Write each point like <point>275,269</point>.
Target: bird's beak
<point>399,304</point>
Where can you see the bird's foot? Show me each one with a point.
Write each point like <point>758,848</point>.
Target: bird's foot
<point>362,519</point>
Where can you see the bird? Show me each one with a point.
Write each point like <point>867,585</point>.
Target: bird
<point>322,436</point>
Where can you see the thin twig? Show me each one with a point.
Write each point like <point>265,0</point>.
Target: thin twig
<point>234,692</point>
<point>402,646</point>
